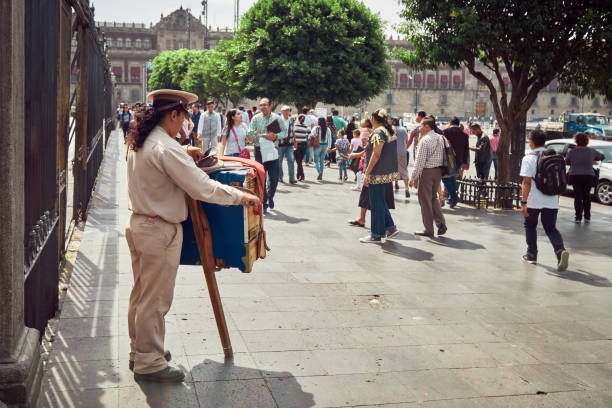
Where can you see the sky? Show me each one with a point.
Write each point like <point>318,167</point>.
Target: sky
<point>220,12</point>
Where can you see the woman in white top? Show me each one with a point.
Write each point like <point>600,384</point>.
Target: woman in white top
<point>234,131</point>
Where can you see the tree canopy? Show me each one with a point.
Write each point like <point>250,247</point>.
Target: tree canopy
<point>170,68</point>
<point>531,43</point>
<point>309,51</point>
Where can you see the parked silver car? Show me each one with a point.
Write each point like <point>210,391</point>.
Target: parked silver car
<point>603,191</point>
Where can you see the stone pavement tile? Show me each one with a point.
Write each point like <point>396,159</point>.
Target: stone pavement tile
<point>332,338</point>
<point>597,376</point>
<point>234,393</point>
<point>215,367</point>
<point>179,360</point>
<point>90,326</point>
<point>295,363</point>
<point>288,320</point>
<point>582,399</point>
<point>98,293</point>
<point>553,299</point>
<point>405,358</point>
<point>75,375</point>
<point>97,308</point>
<point>540,314</point>
<point>475,333</point>
<point>371,288</point>
<point>461,356</point>
<point>497,315</point>
<point>350,361</point>
<point>522,333</point>
<point>288,289</point>
<point>187,305</point>
<point>583,312</point>
<point>273,340</point>
<point>340,390</point>
<point>263,304</point>
<point>601,349</point>
<point>369,318</point>
<point>156,395</point>
<point>572,331</point>
<point>507,354</point>
<point>438,384</point>
<point>240,290</point>
<point>81,278</point>
<point>554,353</point>
<point>549,378</point>
<point>382,336</point>
<point>84,349</point>
<point>522,401</point>
<point>450,314</point>
<point>94,398</point>
<point>496,381</point>
<point>208,342</point>
<point>200,322</point>
<point>592,297</point>
<point>457,403</point>
<point>171,325</point>
<point>296,304</point>
<point>432,334</point>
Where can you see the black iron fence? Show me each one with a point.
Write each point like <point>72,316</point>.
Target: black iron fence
<point>488,194</point>
<point>49,28</point>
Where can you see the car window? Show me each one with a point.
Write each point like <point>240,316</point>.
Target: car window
<point>557,147</point>
<point>606,151</point>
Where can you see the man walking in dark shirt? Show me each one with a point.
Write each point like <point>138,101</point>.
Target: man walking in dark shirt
<point>482,159</point>
<point>460,144</point>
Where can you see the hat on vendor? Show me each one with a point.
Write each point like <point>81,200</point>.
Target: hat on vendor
<point>166,99</point>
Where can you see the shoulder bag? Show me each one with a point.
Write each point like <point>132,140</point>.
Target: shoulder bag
<point>244,153</point>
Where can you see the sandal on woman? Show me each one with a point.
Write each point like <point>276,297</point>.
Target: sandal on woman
<point>356,223</point>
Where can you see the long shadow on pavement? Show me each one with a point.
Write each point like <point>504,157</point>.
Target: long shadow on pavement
<point>280,216</point>
<point>579,275</point>
<point>227,385</point>
<point>414,254</point>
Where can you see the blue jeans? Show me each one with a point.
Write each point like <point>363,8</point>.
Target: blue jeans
<point>271,168</point>
<point>319,157</point>
<point>286,152</point>
<point>342,167</point>
<point>309,154</point>
<point>381,220</point>
<point>451,185</point>
<point>549,222</point>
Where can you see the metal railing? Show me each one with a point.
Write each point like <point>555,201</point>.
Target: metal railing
<point>488,194</point>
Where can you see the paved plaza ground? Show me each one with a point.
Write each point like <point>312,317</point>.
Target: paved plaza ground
<point>456,321</point>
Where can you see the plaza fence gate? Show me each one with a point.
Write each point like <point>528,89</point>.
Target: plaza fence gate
<point>487,193</point>
<point>50,28</point>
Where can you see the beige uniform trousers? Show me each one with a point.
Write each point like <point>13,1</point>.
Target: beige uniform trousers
<point>155,248</point>
<point>428,199</point>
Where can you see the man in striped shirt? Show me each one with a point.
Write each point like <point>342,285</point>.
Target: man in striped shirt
<point>428,170</point>
<point>300,132</point>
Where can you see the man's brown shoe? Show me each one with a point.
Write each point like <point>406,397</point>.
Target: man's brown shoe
<point>167,356</point>
<point>167,375</point>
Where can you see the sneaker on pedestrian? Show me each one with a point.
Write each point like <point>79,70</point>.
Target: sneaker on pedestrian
<point>293,181</point>
<point>587,220</point>
<point>442,229</point>
<point>265,208</point>
<point>282,181</point>
<point>356,188</point>
<point>530,258</point>
<point>370,240</point>
<point>577,220</point>
<point>271,203</point>
<point>407,194</point>
<point>320,176</point>
<point>167,356</point>
<point>391,232</point>
<point>562,260</point>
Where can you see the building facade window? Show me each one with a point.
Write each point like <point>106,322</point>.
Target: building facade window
<point>169,44</point>
<point>135,74</point>
<point>128,43</point>
<point>147,43</point>
<point>443,99</point>
<point>553,101</point>
<point>119,42</point>
<point>389,99</point>
<point>138,43</point>
<point>403,81</point>
<point>180,45</point>
<point>574,101</point>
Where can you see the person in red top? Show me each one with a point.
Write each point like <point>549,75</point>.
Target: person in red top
<point>494,140</point>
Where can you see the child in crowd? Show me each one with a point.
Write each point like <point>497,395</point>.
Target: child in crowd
<point>356,142</point>
<point>359,157</point>
<point>342,154</point>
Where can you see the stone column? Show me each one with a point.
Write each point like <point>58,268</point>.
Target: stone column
<point>20,366</point>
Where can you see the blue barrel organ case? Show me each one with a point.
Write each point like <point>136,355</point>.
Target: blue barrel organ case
<point>237,234</point>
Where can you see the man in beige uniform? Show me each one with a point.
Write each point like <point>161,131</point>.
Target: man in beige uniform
<point>160,172</point>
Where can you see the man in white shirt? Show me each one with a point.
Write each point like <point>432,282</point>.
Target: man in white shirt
<point>311,121</point>
<point>209,128</point>
<point>534,203</point>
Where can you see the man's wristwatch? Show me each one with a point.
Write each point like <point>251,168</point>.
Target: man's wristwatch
<point>523,202</point>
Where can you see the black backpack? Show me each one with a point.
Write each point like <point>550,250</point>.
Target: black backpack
<point>551,177</point>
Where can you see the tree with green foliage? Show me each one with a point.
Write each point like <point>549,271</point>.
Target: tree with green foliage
<point>308,51</point>
<point>211,76</point>
<point>170,68</point>
<point>530,42</point>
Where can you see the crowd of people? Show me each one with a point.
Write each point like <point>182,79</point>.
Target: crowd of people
<point>376,149</point>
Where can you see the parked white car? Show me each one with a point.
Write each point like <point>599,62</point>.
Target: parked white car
<point>603,191</point>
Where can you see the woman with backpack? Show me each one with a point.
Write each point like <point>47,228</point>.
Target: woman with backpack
<point>582,175</point>
<point>320,138</point>
<point>234,138</point>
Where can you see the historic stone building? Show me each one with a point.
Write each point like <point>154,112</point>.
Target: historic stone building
<point>131,45</point>
<point>442,92</point>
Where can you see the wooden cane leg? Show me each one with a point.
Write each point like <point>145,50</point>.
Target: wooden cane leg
<point>201,228</point>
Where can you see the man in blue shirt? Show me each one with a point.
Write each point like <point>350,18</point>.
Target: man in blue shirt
<point>195,118</point>
<point>534,203</point>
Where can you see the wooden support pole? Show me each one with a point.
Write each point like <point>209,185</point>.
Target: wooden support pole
<point>201,228</point>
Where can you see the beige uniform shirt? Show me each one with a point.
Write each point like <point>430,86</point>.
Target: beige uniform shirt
<point>161,172</point>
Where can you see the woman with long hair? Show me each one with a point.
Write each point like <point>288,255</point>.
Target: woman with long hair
<point>331,157</point>
<point>160,172</point>
<point>234,138</point>
<point>323,134</point>
<point>380,171</point>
